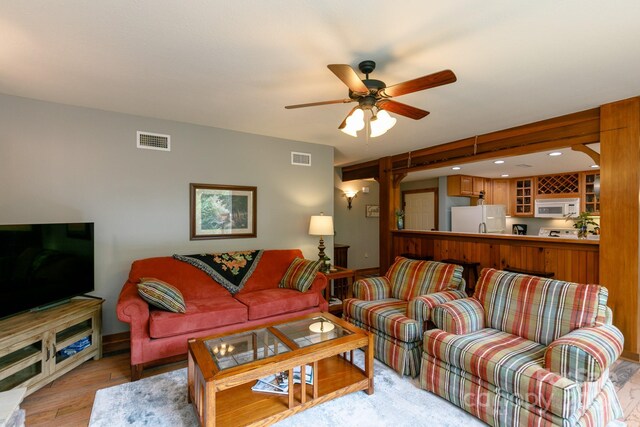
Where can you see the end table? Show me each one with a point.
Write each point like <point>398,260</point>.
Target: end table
<point>340,291</point>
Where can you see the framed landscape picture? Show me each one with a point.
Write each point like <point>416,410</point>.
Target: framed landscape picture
<point>222,211</point>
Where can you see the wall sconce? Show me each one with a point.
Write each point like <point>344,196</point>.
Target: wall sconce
<point>350,195</point>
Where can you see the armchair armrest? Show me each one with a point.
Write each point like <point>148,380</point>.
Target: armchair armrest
<point>460,316</point>
<point>420,307</point>
<point>373,288</point>
<point>585,353</point>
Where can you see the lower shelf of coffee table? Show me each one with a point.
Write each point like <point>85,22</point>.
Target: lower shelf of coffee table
<point>241,406</point>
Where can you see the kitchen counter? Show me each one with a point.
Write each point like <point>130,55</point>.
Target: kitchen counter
<point>500,236</point>
<point>575,260</point>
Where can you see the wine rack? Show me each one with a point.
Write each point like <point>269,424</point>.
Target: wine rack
<point>558,184</point>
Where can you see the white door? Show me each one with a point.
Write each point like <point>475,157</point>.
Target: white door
<point>420,211</point>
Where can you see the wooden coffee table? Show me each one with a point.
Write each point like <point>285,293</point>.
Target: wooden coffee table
<point>223,368</point>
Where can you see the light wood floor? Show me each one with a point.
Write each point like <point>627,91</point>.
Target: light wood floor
<point>68,400</point>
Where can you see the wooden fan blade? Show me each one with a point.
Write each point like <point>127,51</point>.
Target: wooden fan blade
<point>349,77</point>
<point>421,83</point>
<point>402,109</point>
<point>313,104</point>
<point>344,122</point>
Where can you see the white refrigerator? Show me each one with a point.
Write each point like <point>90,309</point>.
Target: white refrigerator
<point>468,218</point>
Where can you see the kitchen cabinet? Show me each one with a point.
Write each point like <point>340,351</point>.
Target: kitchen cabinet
<point>459,185</point>
<point>488,191</point>
<point>590,197</point>
<point>500,193</point>
<point>477,184</point>
<point>464,185</point>
<point>523,197</point>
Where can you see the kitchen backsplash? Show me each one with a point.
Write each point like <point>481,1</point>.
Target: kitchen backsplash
<point>534,224</point>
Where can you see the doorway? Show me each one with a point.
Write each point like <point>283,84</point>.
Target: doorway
<point>420,209</point>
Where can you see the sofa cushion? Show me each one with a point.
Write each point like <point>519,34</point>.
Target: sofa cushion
<point>161,295</point>
<point>201,314</point>
<point>410,278</point>
<point>300,274</point>
<point>387,316</point>
<point>270,302</point>
<point>509,362</point>
<point>272,266</point>
<point>192,283</point>
<point>538,309</point>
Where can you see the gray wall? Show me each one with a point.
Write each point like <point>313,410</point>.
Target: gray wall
<point>67,164</point>
<point>445,203</point>
<point>352,227</point>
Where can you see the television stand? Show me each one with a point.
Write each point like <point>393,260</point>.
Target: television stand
<point>38,347</point>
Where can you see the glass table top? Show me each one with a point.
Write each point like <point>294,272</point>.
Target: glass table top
<point>251,346</point>
<point>245,347</point>
<point>306,332</point>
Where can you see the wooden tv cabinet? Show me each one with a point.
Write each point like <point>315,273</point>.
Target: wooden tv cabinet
<point>32,343</point>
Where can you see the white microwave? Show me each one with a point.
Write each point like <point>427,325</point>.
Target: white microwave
<point>557,208</point>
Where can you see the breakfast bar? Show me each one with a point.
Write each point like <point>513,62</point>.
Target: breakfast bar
<point>574,260</point>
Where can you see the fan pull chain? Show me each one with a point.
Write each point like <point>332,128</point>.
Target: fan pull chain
<point>475,146</point>
<point>409,160</point>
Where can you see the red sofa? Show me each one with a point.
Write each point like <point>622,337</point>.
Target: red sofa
<point>157,335</point>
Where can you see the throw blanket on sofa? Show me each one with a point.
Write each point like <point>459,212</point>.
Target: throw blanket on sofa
<point>230,269</point>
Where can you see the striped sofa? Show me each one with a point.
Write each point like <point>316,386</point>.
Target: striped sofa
<point>525,351</point>
<point>396,307</point>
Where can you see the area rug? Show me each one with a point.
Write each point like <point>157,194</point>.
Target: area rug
<point>161,401</point>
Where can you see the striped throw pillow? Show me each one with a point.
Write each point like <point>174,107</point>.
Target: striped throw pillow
<point>162,295</point>
<point>300,274</point>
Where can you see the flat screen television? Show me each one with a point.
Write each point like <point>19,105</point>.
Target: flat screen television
<point>43,264</point>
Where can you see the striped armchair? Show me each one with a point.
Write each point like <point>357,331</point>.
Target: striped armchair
<point>397,306</point>
<point>525,351</point>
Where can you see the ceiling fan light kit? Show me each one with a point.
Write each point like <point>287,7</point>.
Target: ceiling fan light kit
<point>370,94</point>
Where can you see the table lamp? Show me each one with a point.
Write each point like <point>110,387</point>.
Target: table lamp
<point>321,225</point>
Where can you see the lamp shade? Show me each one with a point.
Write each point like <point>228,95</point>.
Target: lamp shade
<point>321,225</point>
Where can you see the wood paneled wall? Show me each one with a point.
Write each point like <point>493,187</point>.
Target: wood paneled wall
<point>575,262</point>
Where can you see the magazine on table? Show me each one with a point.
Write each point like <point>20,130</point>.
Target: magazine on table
<point>272,384</point>
<point>279,383</point>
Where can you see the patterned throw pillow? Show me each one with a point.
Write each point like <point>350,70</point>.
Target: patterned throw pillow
<point>300,274</point>
<point>162,295</point>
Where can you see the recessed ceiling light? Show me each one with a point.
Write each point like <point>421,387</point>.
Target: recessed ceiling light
<point>555,153</point>
<point>595,166</point>
<point>504,175</point>
<point>499,162</point>
<point>456,168</point>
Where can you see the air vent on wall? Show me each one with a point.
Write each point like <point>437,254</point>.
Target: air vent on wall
<point>154,141</point>
<point>300,159</point>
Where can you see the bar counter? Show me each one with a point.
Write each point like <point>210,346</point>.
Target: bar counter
<point>575,260</point>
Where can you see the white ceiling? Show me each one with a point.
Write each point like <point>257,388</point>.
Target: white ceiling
<point>235,65</point>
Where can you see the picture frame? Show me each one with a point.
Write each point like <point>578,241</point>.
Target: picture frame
<point>222,211</point>
<point>372,211</point>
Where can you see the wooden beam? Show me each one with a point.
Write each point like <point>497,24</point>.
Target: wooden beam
<point>364,170</point>
<point>387,212</point>
<point>565,131</point>
<point>595,156</point>
<point>619,213</point>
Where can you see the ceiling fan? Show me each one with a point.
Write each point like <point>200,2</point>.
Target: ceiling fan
<point>371,93</point>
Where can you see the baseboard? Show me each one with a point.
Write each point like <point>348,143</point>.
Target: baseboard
<point>115,343</point>
<point>634,357</point>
